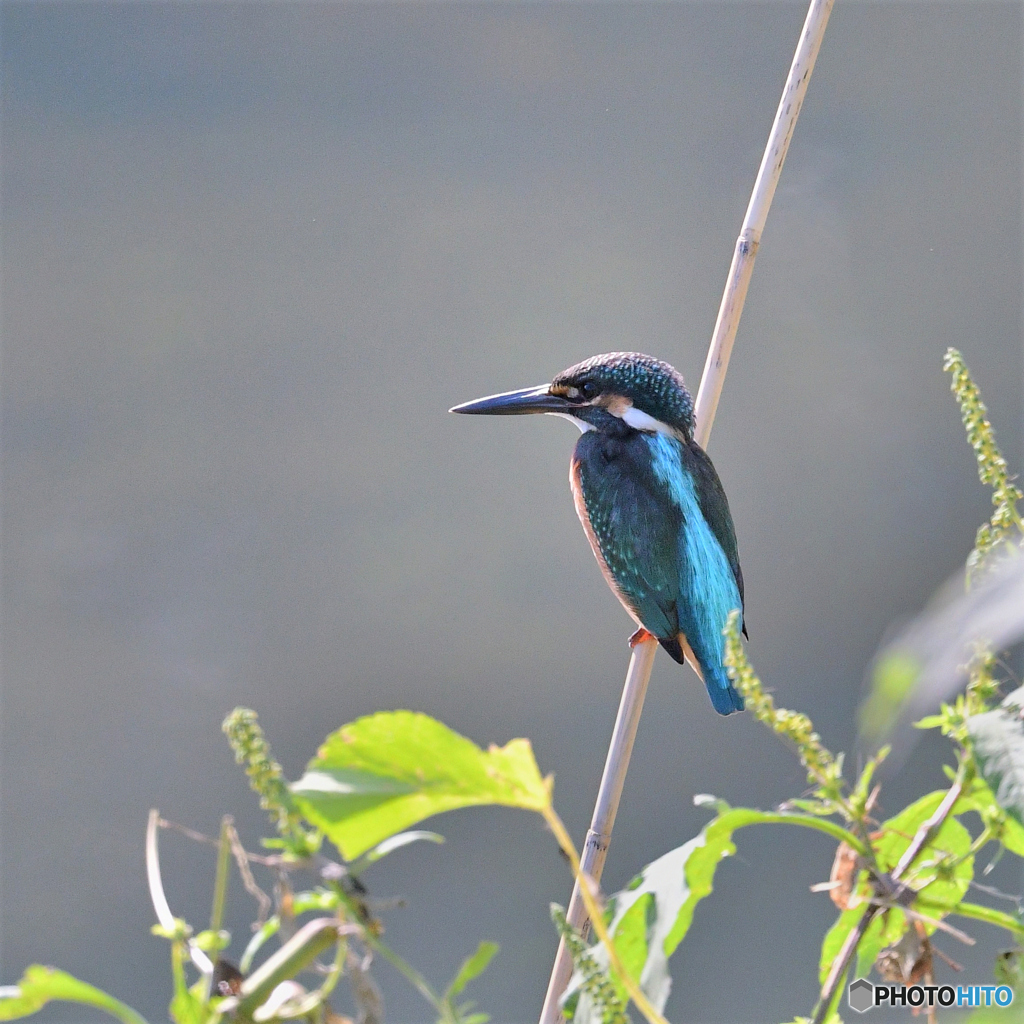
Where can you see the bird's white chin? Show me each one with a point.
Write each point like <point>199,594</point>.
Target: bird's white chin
<point>582,424</point>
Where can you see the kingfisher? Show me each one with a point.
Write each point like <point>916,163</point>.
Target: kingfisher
<point>650,501</point>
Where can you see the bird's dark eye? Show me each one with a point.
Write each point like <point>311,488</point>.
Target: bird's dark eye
<point>588,389</point>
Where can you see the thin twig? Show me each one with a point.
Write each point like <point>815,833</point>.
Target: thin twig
<point>267,860</point>
<point>734,296</point>
<point>242,860</point>
<point>942,926</point>
<point>991,890</point>
<point>947,960</point>
<point>925,834</point>
<point>929,975</point>
<point>842,961</point>
<point>364,989</point>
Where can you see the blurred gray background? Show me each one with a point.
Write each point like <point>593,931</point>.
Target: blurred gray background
<point>251,255</point>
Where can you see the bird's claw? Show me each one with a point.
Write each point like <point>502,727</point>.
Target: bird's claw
<point>641,636</point>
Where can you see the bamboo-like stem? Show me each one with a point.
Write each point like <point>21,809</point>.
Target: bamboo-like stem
<point>749,240</point>
<point>589,898</point>
<point>712,380</point>
<point>595,849</point>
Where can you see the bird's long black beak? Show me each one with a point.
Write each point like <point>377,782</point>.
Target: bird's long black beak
<point>516,403</point>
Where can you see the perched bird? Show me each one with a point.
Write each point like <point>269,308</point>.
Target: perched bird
<point>650,502</point>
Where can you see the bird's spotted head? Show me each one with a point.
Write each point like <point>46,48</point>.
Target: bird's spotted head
<point>605,392</point>
<point>645,392</point>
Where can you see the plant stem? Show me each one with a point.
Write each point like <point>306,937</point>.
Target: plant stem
<point>637,994</point>
<point>989,915</point>
<point>841,964</point>
<point>928,830</point>
<point>410,973</point>
<point>830,828</point>
<point>220,885</point>
<point>220,894</point>
<point>925,834</point>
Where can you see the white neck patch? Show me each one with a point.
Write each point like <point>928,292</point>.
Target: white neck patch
<point>582,424</point>
<point>640,420</point>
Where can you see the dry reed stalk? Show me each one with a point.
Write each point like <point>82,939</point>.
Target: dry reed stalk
<point>642,659</point>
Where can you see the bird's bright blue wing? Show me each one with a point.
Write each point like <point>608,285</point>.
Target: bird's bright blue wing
<point>715,508</point>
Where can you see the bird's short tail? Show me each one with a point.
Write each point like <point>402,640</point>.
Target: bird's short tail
<point>724,697</point>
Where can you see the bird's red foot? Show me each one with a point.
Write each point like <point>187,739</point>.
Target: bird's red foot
<point>641,636</point>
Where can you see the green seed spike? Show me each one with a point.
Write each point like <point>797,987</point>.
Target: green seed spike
<point>267,780</point>
<point>824,769</point>
<point>595,982</point>
<point>1006,523</point>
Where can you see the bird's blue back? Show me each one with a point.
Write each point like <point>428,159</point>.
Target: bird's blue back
<point>659,523</point>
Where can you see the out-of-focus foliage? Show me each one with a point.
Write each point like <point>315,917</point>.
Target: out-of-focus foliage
<point>898,885</point>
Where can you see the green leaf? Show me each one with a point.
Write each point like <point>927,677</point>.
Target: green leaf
<point>952,840</point>
<point>941,874</point>
<point>39,985</point>
<point>587,1005</point>
<point>381,774</point>
<point>836,936</point>
<point>981,799</point>
<point>294,956</point>
<point>301,903</point>
<point>1013,836</point>
<point>389,845</point>
<point>472,967</point>
<point>630,937</point>
<point>998,741</point>
<point>186,1007</point>
<point>670,888</point>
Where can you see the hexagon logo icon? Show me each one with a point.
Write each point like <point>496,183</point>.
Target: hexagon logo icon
<point>861,995</point>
